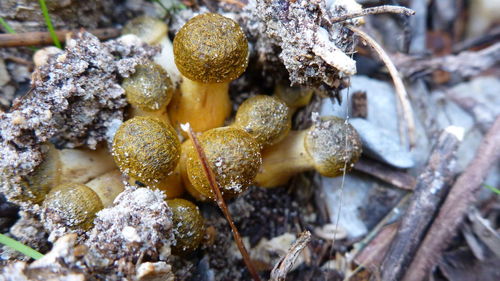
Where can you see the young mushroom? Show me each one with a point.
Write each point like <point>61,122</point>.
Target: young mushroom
<point>72,205</point>
<point>265,118</point>
<point>188,226</point>
<point>149,90</point>
<point>294,97</point>
<point>328,147</point>
<point>234,157</point>
<point>146,149</point>
<point>210,51</point>
<point>107,186</point>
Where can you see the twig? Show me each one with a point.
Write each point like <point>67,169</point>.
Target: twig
<point>374,10</point>
<point>398,84</point>
<point>432,187</point>
<point>461,196</point>
<point>286,263</point>
<point>220,200</point>
<point>387,174</point>
<point>43,38</point>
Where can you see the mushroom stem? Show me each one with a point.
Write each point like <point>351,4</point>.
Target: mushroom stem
<point>107,186</point>
<point>283,160</point>
<point>82,165</point>
<point>203,105</point>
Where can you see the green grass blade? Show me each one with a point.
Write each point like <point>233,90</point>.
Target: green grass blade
<point>20,247</point>
<point>496,190</point>
<point>52,32</point>
<point>6,26</point>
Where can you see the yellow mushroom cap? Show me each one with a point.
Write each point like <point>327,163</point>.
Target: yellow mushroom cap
<point>211,48</point>
<point>146,148</point>
<point>149,88</point>
<point>73,205</point>
<point>333,144</point>
<point>265,118</point>
<point>148,29</point>
<point>234,157</point>
<point>188,226</point>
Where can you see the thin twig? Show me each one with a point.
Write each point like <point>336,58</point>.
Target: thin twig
<point>286,263</point>
<point>374,10</point>
<point>461,196</point>
<point>44,38</point>
<point>433,185</point>
<point>398,83</point>
<point>376,169</point>
<point>220,200</point>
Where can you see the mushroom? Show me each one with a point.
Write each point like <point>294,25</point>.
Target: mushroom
<point>265,118</point>
<point>149,90</point>
<point>107,186</point>
<point>188,226</point>
<point>328,147</point>
<point>72,205</point>
<point>210,51</point>
<point>146,149</point>
<point>232,154</point>
<point>294,97</point>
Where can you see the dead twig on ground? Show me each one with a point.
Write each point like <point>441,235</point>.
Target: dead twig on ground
<point>286,263</point>
<point>461,196</point>
<point>384,9</point>
<point>220,200</point>
<point>432,187</point>
<point>398,85</point>
<point>43,38</point>
<point>465,64</point>
<point>376,169</point>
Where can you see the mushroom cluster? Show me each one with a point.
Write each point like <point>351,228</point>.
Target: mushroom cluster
<point>259,147</point>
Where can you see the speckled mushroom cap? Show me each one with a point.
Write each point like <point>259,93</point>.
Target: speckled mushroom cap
<point>188,226</point>
<point>73,205</point>
<point>146,148</point>
<point>211,48</point>
<point>265,118</point>
<point>149,88</point>
<point>331,142</point>
<point>149,29</point>
<point>234,157</point>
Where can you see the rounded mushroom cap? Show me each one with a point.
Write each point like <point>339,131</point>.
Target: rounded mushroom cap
<point>294,97</point>
<point>211,48</point>
<point>234,157</point>
<point>188,226</point>
<point>265,118</point>
<point>73,205</point>
<point>149,88</point>
<point>148,29</point>
<point>146,148</point>
<point>333,144</point>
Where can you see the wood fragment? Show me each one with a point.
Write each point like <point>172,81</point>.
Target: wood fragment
<point>285,264</point>
<point>399,86</point>
<point>220,200</point>
<point>388,174</point>
<point>461,196</point>
<point>43,38</point>
<point>432,186</point>
<point>384,9</point>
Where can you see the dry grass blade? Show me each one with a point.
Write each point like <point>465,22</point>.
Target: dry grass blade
<point>220,200</point>
<point>285,264</point>
<point>375,10</point>
<point>398,84</point>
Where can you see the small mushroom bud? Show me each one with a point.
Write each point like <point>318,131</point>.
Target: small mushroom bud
<point>265,118</point>
<point>148,29</point>
<point>234,157</point>
<point>107,186</point>
<point>72,205</point>
<point>327,147</point>
<point>294,97</point>
<point>188,226</point>
<point>210,51</point>
<point>149,90</point>
<point>146,149</point>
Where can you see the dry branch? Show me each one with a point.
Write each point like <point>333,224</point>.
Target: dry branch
<point>432,187</point>
<point>398,85</point>
<point>374,10</point>
<point>220,200</point>
<point>43,38</point>
<point>462,195</point>
<point>398,179</point>
<point>286,263</point>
